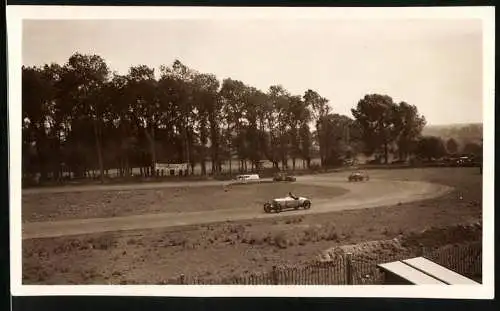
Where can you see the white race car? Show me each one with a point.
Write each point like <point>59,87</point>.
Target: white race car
<point>290,201</point>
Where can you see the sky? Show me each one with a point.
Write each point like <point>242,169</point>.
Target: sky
<point>435,65</point>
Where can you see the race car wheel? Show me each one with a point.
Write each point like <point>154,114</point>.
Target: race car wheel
<point>307,205</point>
<point>267,208</point>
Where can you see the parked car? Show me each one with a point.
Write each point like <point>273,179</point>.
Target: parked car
<point>465,161</point>
<point>281,176</point>
<point>279,204</point>
<point>358,176</point>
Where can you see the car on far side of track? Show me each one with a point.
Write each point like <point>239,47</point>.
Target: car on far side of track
<point>282,176</point>
<point>247,178</point>
<point>289,202</point>
<point>358,176</point>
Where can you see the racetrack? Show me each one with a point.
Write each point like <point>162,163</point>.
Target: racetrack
<point>374,193</point>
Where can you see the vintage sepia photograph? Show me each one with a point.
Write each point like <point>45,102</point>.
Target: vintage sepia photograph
<point>253,149</point>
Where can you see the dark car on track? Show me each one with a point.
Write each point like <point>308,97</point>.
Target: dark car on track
<point>358,176</point>
<point>282,176</point>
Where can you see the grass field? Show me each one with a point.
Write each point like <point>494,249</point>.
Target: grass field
<point>225,249</point>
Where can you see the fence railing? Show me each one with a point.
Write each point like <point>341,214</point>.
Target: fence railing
<point>465,259</point>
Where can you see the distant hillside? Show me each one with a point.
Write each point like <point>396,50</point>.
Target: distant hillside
<point>462,133</point>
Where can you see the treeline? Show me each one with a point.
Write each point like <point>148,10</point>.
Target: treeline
<point>80,116</point>
<point>464,135</point>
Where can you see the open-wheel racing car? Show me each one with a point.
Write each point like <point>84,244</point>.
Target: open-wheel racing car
<point>358,176</point>
<point>279,204</point>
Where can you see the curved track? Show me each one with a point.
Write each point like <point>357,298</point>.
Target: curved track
<point>374,193</point>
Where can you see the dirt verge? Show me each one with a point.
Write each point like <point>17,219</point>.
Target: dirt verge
<point>408,244</point>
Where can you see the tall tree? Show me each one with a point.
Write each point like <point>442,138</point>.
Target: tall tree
<point>232,94</point>
<point>205,97</point>
<point>280,100</point>
<point>56,120</point>
<point>375,115</point>
<point>305,144</point>
<point>430,147</point>
<point>180,77</point>
<point>88,74</point>
<point>336,129</point>
<point>270,115</point>
<point>146,107</point>
<point>299,117</point>
<point>263,110</point>
<point>320,109</point>
<point>36,96</point>
<point>452,146</point>
<point>408,125</point>
<point>122,115</point>
<point>253,112</point>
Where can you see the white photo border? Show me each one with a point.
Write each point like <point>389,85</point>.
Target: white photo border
<point>15,17</point>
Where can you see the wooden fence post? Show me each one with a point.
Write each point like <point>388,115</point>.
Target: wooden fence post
<point>420,251</point>
<point>348,270</point>
<point>275,275</point>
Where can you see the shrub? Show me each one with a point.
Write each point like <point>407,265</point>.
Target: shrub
<point>102,242</point>
<point>294,220</point>
<point>280,240</point>
<point>311,234</point>
<point>331,234</point>
<point>236,229</point>
<point>176,241</point>
<point>254,238</point>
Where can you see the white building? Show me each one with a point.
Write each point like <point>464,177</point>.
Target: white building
<point>171,169</point>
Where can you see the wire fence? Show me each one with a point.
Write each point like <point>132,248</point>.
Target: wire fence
<point>347,269</point>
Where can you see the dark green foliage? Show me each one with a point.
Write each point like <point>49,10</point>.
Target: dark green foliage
<point>383,123</point>
<point>430,147</point>
<point>473,149</point>
<point>451,146</point>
